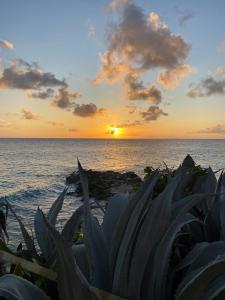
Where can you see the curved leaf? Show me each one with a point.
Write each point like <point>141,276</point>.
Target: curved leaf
<point>42,235</point>
<point>95,243</point>
<point>195,285</point>
<point>191,256</point>
<point>16,288</point>
<point>114,211</point>
<point>28,265</point>
<point>71,282</point>
<point>56,207</point>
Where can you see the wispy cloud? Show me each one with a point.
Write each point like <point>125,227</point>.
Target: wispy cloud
<point>4,123</point>
<point>56,124</point>
<point>91,30</point>
<point>48,93</point>
<point>217,129</point>
<point>28,115</point>
<point>130,124</point>
<point>6,44</point>
<point>184,15</point>
<point>116,5</point>
<point>73,130</point>
<point>207,87</point>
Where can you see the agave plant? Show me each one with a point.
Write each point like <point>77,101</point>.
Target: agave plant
<point>153,245</point>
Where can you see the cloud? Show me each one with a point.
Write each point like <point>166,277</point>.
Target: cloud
<point>139,43</point>
<point>130,124</point>
<point>184,15</point>
<point>116,5</point>
<point>57,124</point>
<point>170,78</point>
<point>137,91</point>
<point>25,76</point>
<point>217,129</point>
<point>152,113</point>
<point>146,42</point>
<point>87,110</point>
<point>65,99</point>
<point>131,109</point>
<point>7,44</point>
<point>221,70</point>
<point>207,87</point>
<point>28,115</point>
<point>73,130</point>
<point>48,93</point>
<point>91,30</point>
<point>4,123</point>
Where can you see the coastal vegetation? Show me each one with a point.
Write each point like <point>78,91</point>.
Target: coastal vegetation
<point>164,241</point>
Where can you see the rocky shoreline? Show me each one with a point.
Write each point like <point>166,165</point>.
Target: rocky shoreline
<point>104,184</point>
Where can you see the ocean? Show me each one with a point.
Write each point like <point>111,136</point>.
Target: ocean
<point>33,171</point>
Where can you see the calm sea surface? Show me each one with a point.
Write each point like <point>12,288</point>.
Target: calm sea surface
<point>32,171</point>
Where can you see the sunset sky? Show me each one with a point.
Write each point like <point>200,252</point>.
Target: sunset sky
<point>119,69</point>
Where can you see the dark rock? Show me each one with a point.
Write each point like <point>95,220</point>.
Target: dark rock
<point>103,184</point>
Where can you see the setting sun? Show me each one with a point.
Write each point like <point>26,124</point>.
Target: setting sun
<point>115,131</point>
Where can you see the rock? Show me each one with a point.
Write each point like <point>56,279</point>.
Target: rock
<point>104,184</point>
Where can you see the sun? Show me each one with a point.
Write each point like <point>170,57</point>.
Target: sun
<point>114,131</point>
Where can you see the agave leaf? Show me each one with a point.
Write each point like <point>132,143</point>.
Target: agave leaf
<point>80,253</point>
<point>188,202</point>
<point>152,229</point>
<point>13,287</point>
<point>3,229</point>
<point>94,240</point>
<point>71,283</point>
<point>191,256</point>
<point>206,184</point>
<point>115,208</point>
<point>56,207</point>
<point>135,210</point>
<point>158,279</point>
<point>42,235</point>
<point>215,290</point>
<point>105,295</point>
<point>221,191</point>
<point>215,218</point>
<point>28,265</point>
<point>143,195</point>
<point>29,242</point>
<point>208,254</point>
<point>72,224</point>
<point>195,285</point>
